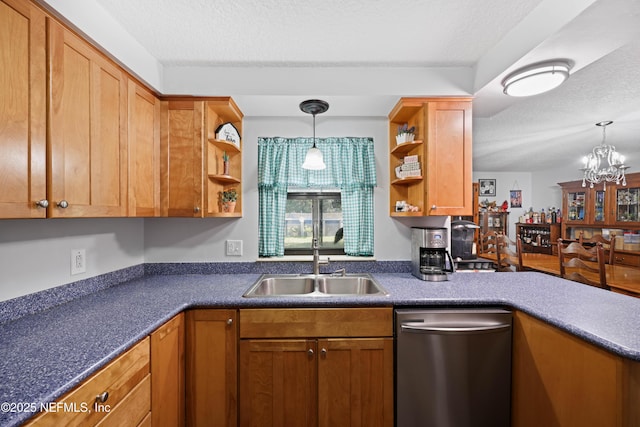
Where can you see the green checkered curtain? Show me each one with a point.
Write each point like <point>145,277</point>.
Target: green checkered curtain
<point>350,167</point>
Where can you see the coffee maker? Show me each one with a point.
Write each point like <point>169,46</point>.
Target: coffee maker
<point>430,259</point>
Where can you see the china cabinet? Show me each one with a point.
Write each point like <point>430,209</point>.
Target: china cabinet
<point>588,211</point>
<point>442,184</point>
<point>493,221</point>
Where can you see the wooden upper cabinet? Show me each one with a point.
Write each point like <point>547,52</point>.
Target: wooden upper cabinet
<point>193,174</point>
<point>143,151</point>
<point>443,145</point>
<point>181,153</point>
<point>22,110</point>
<point>88,129</point>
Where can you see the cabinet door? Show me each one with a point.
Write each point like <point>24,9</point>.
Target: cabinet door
<point>167,373</point>
<point>449,182</point>
<point>560,380</point>
<point>22,110</point>
<point>575,205</point>
<point>627,206</point>
<point>211,369</point>
<point>87,122</point>
<point>144,152</point>
<point>182,161</point>
<point>355,382</point>
<point>278,383</point>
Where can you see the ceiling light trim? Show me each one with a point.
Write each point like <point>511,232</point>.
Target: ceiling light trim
<point>536,78</point>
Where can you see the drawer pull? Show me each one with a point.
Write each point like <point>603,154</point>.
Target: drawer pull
<point>102,397</point>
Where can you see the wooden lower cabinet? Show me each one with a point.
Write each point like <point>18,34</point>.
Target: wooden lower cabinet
<point>330,377</point>
<point>560,380</point>
<point>211,368</point>
<point>125,388</point>
<point>277,383</point>
<point>167,374</point>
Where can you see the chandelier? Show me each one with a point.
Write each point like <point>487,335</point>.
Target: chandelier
<point>604,164</point>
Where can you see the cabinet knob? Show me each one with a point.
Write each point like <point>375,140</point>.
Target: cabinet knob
<point>63,204</point>
<point>196,209</point>
<point>229,321</point>
<point>310,352</point>
<point>323,352</point>
<point>434,207</point>
<point>42,203</point>
<point>102,397</point>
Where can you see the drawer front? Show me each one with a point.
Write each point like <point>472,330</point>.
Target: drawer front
<point>316,322</point>
<point>631,260</point>
<point>118,379</point>
<point>133,408</point>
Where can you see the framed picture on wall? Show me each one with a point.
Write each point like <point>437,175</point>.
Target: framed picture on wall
<point>516,198</point>
<point>487,187</point>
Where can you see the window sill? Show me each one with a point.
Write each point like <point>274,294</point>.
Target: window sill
<point>309,258</point>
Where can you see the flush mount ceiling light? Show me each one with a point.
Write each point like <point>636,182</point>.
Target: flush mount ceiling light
<point>313,159</point>
<point>604,163</point>
<point>537,78</point>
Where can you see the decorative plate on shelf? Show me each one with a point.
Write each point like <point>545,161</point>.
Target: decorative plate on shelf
<point>228,132</point>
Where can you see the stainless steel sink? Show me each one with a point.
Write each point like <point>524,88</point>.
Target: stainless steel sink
<point>274,285</point>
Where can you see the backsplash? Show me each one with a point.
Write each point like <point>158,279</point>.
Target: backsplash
<point>15,308</point>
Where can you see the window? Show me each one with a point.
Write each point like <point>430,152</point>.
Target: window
<point>303,207</point>
<point>350,168</point>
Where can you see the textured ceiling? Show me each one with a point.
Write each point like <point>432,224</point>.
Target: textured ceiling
<point>328,32</point>
<point>362,55</point>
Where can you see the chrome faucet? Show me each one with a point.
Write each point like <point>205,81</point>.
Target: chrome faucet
<point>316,257</point>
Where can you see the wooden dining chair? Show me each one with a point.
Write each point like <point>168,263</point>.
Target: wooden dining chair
<point>509,254</point>
<point>574,264</point>
<point>609,246</point>
<point>488,244</point>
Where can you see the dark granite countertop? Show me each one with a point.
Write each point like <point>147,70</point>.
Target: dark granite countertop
<point>44,355</point>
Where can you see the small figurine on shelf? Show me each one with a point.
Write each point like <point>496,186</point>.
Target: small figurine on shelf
<point>228,199</point>
<point>225,163</point>
<point>504,206</point>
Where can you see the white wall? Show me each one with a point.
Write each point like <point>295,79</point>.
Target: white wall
<point>505,182</point>
<point>203,240</point>
<point>35,254</point>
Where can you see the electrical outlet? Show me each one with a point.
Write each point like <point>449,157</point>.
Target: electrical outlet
<point>234,247</point>
<point>78,261</point>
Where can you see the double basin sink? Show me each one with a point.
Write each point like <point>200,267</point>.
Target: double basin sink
<point>310,285</point>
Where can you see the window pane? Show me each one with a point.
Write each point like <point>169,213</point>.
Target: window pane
<point>300,211</point>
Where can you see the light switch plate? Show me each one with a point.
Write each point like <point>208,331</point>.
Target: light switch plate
<point>234,247</point>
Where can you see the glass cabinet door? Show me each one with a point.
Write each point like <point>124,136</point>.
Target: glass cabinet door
<point>599,206</point>
<point>576,206</point>
<point>627,204</point>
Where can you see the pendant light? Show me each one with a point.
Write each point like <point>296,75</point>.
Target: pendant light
<point>604,164</point>
<point>313,160</point>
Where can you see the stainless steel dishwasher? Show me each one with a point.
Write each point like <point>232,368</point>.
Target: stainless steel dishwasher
<point>453,367</point>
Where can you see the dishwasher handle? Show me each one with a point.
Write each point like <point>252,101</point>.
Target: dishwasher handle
<point>421,328</point>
